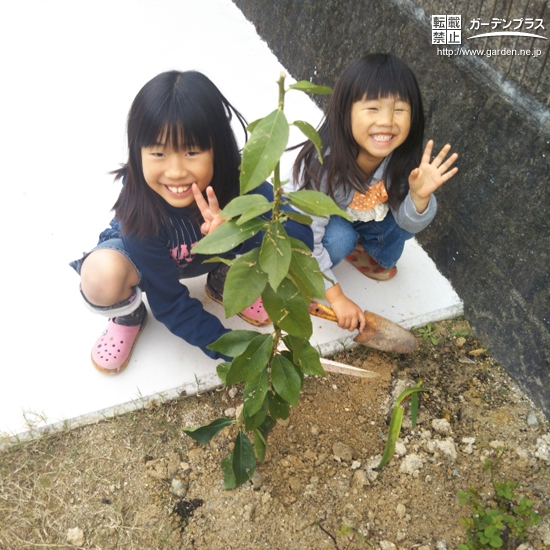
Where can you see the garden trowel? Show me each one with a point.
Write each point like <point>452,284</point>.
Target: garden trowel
<point>380,333</point>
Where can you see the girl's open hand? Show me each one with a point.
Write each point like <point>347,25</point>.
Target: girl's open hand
<point>210,210</point>
<point>429,176</point>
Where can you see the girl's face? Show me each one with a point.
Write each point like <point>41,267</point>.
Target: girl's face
<point>171,173</point>
<point>379,126</point>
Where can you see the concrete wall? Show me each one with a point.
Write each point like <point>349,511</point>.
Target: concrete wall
<point>491,237</point>
<point>528,73</point>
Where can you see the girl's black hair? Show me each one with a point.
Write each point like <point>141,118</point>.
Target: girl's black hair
<point>184,110</point>
<point>371,77</point>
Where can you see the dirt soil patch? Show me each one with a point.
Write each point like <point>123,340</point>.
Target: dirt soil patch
<point>138,482</point>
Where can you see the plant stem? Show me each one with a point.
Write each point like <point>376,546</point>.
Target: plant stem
<point>277,191</point>
<point>277,170</point>
<point>275,347</point>
<point>281,83</point>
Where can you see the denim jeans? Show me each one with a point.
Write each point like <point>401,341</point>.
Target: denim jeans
<point>383,240</point>
<point>112,242</point>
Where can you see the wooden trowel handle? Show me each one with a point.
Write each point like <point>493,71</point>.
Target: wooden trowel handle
<point>322,311</point>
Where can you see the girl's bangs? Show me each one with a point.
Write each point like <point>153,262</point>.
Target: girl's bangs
<point>176,129</point>
<point>385,81</point>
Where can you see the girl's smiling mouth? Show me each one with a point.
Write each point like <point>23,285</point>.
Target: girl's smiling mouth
<point>179,189</point>
<point>382,138</point>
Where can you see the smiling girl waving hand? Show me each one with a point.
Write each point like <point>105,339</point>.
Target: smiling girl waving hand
<point>375,170</point>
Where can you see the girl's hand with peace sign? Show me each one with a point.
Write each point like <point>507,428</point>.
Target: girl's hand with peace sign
<point>210,210</point>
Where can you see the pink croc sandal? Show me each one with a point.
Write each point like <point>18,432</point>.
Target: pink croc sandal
<point>256,314</point>
<point>113,349</point>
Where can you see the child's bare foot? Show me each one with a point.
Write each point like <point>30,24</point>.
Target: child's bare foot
<point>362,260</point>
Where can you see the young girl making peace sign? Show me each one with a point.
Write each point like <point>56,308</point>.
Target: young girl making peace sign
<point>181,146</point>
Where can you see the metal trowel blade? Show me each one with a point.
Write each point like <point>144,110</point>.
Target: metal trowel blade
<point>380,333</point>
<point>385,335</point>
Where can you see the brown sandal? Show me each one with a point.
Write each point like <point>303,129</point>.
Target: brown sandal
<point>363,261</point>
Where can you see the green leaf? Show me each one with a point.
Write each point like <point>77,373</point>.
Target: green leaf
<point>229,480</point>
<point>414,409</point>
<point>222,370</point>
<point>299,246</point>
<point>263,150</point>
<point>310,362</point>
<point>233,343</point>
<point>204,434</point>
<point>409,391</point>
<point>253,125</point>
<point>286,381</point>
<point>247,206</point>
<point>393,434</point>
<point>305,86</point>
<point>311,133</point>
<point>315,203</point>
<point>288,355</point>
<point>244,461</point>
<point>397,419</point>
<point>252,422</point>
<point>216,260</point>
<point>267,426</point>
<point>278,408</point>
<point>287,309</point>
<point>244,283</point>
<point>260,437</point>
<point>296,345</point>
<point>254,393</point>
<point>260,444</point>
<point>297,217</point>
<point>254,213</point>
<point>227,236</point>
<point>275,254</point>
<point>252,361</point>
<point>306,274</point>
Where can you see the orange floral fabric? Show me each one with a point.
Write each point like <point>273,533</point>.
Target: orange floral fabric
<point>374,195</point>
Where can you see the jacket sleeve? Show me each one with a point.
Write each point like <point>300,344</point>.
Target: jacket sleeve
<point>320,252</point>
<point>170,301</point>
<point>409,219</point>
